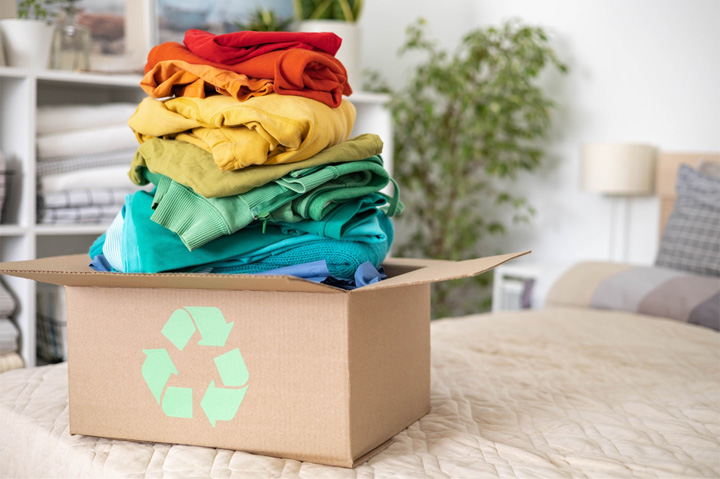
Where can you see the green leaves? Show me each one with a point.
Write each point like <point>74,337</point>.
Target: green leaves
<point>33,9</point>
<point>466,124</point>
<point>264,20</point>
<point>345,10</point>
<point>38,9</point>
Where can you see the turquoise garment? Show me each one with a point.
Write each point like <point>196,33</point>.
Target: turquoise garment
<point>314,193</point>
<point>146,247</point>
<point>97,247</point>
<point>345,218</point>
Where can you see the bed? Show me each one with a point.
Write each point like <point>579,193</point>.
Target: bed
<point>598,384</point>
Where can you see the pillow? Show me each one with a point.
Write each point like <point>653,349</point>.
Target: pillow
<point>691,240</point>
<point>710,168</point>
<point>654,291</point>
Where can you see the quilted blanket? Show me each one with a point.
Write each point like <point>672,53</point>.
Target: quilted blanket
<point>554,393</point>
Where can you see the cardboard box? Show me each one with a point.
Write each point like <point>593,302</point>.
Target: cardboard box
<point>273,365</point>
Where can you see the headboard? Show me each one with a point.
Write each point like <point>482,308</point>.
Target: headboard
<point>666,175</point>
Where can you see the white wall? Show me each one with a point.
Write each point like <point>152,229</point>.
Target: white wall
<point>641,71</point>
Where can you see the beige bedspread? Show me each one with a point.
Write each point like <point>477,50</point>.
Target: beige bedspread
<point>557,393</point>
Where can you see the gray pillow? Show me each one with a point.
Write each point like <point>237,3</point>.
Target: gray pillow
<point>691,240</point>
<point>710,168</point>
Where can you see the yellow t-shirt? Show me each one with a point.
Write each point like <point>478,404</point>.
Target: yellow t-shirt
<point>270,129</point>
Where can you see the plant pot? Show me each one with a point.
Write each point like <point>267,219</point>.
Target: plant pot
<point>26,42</point>
<point>349,53</point>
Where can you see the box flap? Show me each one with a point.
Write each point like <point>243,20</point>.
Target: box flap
<point>397,266</point>
<point>73,270</point>
<point>443,271</point>
<point>412,263</point>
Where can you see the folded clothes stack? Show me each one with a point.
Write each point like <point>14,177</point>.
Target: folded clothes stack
<point>82,155</point>
<point>9,357</point>
<point>244,137</point>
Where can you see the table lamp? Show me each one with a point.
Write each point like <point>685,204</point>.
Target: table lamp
<point>619,171</point>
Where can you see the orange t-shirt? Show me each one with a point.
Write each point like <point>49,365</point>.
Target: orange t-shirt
<point>298,72</point>
<point>180,78</point>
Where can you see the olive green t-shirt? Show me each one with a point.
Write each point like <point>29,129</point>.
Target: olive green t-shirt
<point>194,167</point>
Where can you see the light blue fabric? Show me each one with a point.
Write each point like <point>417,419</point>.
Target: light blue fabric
<point>318,272</point>
<point>368,274</point>
<point>99,263</point>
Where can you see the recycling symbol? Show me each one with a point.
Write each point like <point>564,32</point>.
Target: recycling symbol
<point>220,403</point>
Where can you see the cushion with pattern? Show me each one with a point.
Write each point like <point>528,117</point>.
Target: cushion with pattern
<point>691,240</point>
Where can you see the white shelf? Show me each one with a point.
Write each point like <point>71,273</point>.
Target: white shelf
<point>99,79</point>
<point>52,230</point>
<point>9,72</point>
<point>102,79</point>
<point>12,230</point>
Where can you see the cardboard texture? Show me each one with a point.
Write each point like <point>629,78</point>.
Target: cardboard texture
<point>272,365</point>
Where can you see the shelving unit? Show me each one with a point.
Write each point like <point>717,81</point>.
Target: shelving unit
<point>21,91</point>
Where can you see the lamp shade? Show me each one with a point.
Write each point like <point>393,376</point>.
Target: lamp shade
<point>618,169</point>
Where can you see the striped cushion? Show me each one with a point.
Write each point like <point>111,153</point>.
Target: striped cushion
<point>653,291</point>
<point>691,240</point>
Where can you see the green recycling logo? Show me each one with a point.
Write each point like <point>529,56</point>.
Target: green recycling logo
<point>218,403</point>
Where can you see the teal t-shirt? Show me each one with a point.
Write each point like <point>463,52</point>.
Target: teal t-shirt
<point>363,233</point>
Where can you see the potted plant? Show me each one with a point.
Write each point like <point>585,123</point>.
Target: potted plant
<point>28,37</point>
<point>339,17</point>
<point>466,124</point>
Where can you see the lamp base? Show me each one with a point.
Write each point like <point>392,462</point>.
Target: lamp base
<point>620,212</point>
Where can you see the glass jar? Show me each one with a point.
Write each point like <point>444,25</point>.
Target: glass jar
<point>70,45</point>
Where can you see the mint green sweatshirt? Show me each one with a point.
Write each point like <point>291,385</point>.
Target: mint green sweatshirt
<point>310,193</point>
